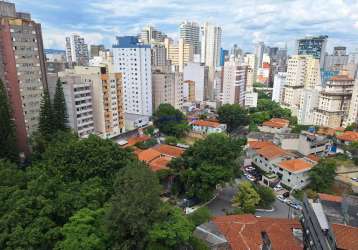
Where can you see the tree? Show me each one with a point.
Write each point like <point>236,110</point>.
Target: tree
<point>8,148</point>
<point>353,150</point>
<point>46,121</point>
<point>322,175</point>
<point>133,207</point>
<point>267,196</point>
<point>246,198</point>
<point>170,121</point>
<point>351,127</point>
<point>172,231</point>
<point>233,116</point>
<point>60,118</point>
<point>84,231</point>
<point>200,216</point>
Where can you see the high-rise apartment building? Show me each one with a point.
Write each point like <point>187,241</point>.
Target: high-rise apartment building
<point>150,35</point>
<point>337,60</point>
<point>353,107</point>
<point>179,53</point>
<point>251,61</point>
<point>133,60</point>
<point>259,52</point>
<point>159,55</point>
<point>308,103</point>
<point>303,71</point>
<point>76,51</point>
<point>96,49</point>
<point>279,83</point>
<point>234,83</point>
<point>22,69</point>
<point>104,103</point>
<point>197,73</point>
<point>210,52</point>
<point>315,46</point>
<point>167,87</point>
<point>334,102</point>
<point>190,33</point>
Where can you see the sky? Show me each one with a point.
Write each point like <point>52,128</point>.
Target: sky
<point>244,22</point>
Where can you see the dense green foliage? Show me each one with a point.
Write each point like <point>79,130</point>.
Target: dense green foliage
<point>46,121</point>
<point>353,150</point>
<point>60,118</point>
<point>352,127</point>
<point>234,116</point>
<point>146,144</point>
<point>267,196</point>
<point>206,164</point>
<point>8,148</point>
<point>247,198</point>
<point>200,216</point>
<point>322,175</point>
<point>170,121</point>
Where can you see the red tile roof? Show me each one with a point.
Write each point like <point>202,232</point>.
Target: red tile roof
<point>203,123</point>
<point>134,140</point>
<point>243,232</point>
<point>341,78</point>
<point>148,155</point>
<point>346,236</point>
<point>348,136</point>
<point>329,197</point>
<point>276,123</point>
<point>271,152</point>
<point>160,163</point>
<point>169,150</point>
<point>313,157</point>
<point>259,144</point>
<point>296,165</point>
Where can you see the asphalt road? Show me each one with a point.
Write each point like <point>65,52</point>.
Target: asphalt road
<point>223,203</point>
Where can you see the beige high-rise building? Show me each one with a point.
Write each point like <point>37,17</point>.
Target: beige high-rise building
<point>353,108</point>
<point>302,72</point>
<point>107,98</point>
<point>334,102</point>
<point>234,83</point>
<point>179,53</point>
<point>167,86</point>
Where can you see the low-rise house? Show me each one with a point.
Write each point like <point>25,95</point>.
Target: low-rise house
<point>275,125</point>
<point>208,127</point>
<point>294,173</point>
<point>243,232</point>
<point>347,137</point>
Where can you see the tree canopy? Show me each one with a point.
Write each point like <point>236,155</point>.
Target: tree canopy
<point>60,117</point>
<point>322,175</point>
<point>234,116</point>
<point>8,148</point>
<point>46,121</point>
<point>246,199</point>
<point>170,121</point>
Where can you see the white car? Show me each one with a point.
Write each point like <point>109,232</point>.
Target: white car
<point>281,198</point>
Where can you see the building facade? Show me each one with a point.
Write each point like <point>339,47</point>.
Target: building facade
<point>180,53</point>
<point>234,83</point>
<point>279,83</point>
<point>22,69</point>
<point>190,33</point>
<point>198,73</point>
<point>133,60</point>
<point>76,51</point>
<point>315,46</point>
<point>353,107</point>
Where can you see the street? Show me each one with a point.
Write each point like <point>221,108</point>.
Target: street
<point>222,203</point>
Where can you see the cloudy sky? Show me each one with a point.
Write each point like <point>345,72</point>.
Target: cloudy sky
<point>276,22</point>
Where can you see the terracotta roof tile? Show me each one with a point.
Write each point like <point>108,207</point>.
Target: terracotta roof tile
<point>134,140</point>
<point>276,123</point>
<point>148,155</point>
<point>203,123</point>
<point>244,232</point>
<point>259,144</point>
<point>341,78</point>
<point>329,197</point>
<point>272,152</point>
<point>346,236</point>
<point>348,136</point>
<point>313,157</point>
<point>169,150</point>
<point>295,165</point>
<point>160,163</point>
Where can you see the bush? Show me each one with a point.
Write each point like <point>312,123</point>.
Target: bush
<point>146,144</point>
<point>171,140</point>
<point>200,216</point>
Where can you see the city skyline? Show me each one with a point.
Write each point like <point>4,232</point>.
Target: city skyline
<point>244,23</point>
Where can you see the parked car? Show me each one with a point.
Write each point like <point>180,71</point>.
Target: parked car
<point>354,179</point>
<point>188,202</point>
<point>281,198</point>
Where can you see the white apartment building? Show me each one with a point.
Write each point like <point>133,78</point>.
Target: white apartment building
<point>210,53</point>
<point>133,60</point>
<point>190,33</point>
<point>234,83</point>
<point>334,102</point>
<point>167,88</point>
<point>302,72</point>
<point>197,73</point>
<point>279,83</point>
<point>79,104</point>
<point>179,53</point>
<point>251,99</point>
<point>259,52</point>
<point>76,51</point>
<point>353,107</point>
<point>150,34</point>
<point>308,103</point>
